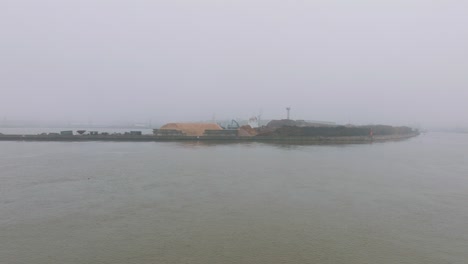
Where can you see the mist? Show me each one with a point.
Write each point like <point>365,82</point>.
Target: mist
<point>386,62</point>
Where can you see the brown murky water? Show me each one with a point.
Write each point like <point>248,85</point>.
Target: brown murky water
<point>92,202</point>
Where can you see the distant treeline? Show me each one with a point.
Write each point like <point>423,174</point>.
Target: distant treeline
<point>340,131</point>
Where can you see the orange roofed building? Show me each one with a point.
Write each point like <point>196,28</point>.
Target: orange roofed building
<point>191,129</point>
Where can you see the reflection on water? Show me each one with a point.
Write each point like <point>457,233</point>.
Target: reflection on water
<point>205,202</point>
<point>211,143</point>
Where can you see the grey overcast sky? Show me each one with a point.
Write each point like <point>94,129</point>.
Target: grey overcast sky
<point>349,61</point>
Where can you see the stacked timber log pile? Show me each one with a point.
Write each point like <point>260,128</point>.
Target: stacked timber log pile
<point>191,129</point>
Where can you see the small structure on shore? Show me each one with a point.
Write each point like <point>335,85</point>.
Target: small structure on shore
<point>66,133</point>
<point>136,133</point>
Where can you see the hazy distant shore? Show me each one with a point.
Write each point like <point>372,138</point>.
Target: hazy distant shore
<point>150,138</point>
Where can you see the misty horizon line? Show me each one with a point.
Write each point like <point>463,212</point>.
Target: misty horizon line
<point>150,123</point>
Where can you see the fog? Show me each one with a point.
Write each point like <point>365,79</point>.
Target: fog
<point>389,62</point>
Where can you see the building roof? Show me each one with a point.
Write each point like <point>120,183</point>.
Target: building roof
<point>192,129</point>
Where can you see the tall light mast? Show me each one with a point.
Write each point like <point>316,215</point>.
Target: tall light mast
<point>287,110</point>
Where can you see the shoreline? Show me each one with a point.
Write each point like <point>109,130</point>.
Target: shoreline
<point>152,138</point>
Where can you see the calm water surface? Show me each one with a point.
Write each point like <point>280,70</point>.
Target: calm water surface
<point>103,202</point>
